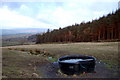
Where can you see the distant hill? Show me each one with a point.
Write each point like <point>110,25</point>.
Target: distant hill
<point>106,28</point>
<point>11,37</point>
<point>22,31</point>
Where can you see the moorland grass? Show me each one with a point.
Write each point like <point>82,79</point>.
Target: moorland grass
<point>16,64</point>
<point>106,52</point>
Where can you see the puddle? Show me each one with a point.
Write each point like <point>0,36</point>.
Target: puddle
<point>52,59</point>
<point>49,57</point>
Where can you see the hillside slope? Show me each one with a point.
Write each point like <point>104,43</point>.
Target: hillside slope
<point>105,28</point>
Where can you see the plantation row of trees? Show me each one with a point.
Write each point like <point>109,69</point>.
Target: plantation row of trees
<point>105,28</point>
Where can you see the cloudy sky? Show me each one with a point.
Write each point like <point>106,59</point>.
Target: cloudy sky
<point>52,14</point>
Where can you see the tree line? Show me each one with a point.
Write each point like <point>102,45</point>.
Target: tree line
<point>106,28</point>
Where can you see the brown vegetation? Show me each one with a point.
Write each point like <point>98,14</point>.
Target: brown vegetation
<point>105,28</point>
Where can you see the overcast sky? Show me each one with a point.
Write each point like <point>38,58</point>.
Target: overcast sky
<point>53,14</point>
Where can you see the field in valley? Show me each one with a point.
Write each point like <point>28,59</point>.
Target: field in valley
<point>31,60</point>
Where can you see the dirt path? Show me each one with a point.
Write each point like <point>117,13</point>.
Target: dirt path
<point>51,70</point>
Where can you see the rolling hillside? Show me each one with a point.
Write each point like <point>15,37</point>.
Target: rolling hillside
<point>20,36</point>
<point>21,31</point>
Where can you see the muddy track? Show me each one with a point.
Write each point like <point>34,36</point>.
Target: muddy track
<point>51,70</point>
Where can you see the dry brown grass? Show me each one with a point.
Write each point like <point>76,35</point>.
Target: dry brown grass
<point>17,64</point>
